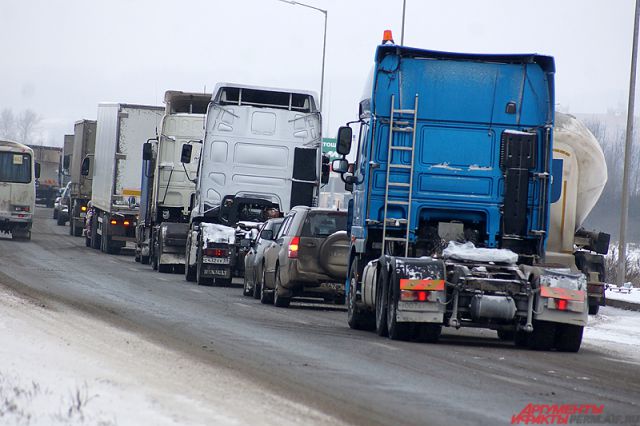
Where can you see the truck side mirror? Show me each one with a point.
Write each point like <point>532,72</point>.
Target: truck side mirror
<point>340,166</point>
<point>344,140</point>
<point>326,169</point>
<point>185,157</point>
<point>147,154</point>
<point>37,171</point>
<point>86,165</point>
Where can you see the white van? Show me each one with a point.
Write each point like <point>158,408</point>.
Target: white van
<point>17,189</point>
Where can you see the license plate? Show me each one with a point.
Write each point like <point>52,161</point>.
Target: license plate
<point>217,272</point>
<point>216,260</point>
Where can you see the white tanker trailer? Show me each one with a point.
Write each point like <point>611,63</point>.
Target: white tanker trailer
<point>584,175</point>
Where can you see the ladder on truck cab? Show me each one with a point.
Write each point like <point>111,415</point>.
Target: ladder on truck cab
<point>400,121</point>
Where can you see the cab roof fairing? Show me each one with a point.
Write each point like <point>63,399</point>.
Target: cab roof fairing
<point>220,86</point>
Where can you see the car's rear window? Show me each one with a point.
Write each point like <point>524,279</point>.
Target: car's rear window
<point>323,224</point>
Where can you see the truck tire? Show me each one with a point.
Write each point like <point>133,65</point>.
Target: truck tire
<point>279,301</point>
<point>543,335</point>
<point>381,303</point>
<point>144,260</point>
<point>266,295</point>
<point>55,213</point>
<point>76,231</point>
<point>163,268</point>
<point>594,307</point>
<point>60,219</point>
<point>356,318</point>
<point>396,330</point>
<point>95,238</point>
<point>568,337</point>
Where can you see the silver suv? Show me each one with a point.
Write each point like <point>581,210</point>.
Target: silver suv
<point>308,258</point>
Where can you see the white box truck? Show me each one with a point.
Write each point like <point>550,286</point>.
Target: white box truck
<point>121,131</point>
<point>18,173</point>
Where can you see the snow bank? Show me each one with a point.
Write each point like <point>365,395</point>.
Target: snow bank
<point>469,252</point>
<point>615,331</point>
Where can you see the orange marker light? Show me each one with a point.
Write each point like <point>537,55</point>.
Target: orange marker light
<point>126,223</point>
<point>113,222</point>
<point>387,37</point>
<point>83,208</point>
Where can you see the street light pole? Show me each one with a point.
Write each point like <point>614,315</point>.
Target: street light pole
<point>622,244</point>
<point>324,41</point>
<point>404,10</point>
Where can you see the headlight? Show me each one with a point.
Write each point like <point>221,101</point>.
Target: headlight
<point>563,278</point>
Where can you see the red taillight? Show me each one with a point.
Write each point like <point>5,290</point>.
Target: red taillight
<point>113,222</point>
<point>562,304</point>
<point>293,247</point>
<point>414,296</point>
<point>215,252</point>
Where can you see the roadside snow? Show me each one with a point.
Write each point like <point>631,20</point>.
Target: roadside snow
<point>61,367</point>
<point>616,331</point>
<point>633,296</point>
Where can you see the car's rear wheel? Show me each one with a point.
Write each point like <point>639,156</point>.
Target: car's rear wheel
<point>266,295</point>
<point>279,301</point>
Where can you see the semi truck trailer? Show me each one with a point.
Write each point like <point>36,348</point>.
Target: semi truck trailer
<point>452,187</point>
<point>121,131</point>
<point>259,158</point>
<point>84,141</point>
<point>167,184</point>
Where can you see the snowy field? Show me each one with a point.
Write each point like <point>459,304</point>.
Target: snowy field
<point>633,296</point>
<point>61,368</point>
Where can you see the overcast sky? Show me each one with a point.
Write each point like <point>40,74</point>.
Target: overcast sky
<point>60,58</point>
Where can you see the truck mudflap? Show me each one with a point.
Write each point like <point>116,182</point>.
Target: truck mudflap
<point>418,285</point>
<point>562,298</point>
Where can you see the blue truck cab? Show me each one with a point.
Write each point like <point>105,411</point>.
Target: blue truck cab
<point>451,190</point>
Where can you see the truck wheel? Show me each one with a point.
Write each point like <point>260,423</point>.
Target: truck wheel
<point>396,330</point>
<point>266,295</point>
<point>543,335</point>
<point>357,319</point>
<point>594,307</point>
<point>279,301</point>
<point>381,304</point>
<point>77,231</point>
<point>95,238</point>
<point>257,286</point>
<point>60,219</point>
<point>144,260</point>
<point>165,269</point>
<point>55,213</point>
<point>568,337</point>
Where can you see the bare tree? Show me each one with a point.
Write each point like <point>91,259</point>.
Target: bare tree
<point>27,124</point>
<point>7,124</point>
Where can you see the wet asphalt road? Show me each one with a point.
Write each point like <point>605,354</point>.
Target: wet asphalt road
<point>307,352</point>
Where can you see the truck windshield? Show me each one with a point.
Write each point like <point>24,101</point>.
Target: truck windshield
<point>323,224</point>
<point>15,167</point>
